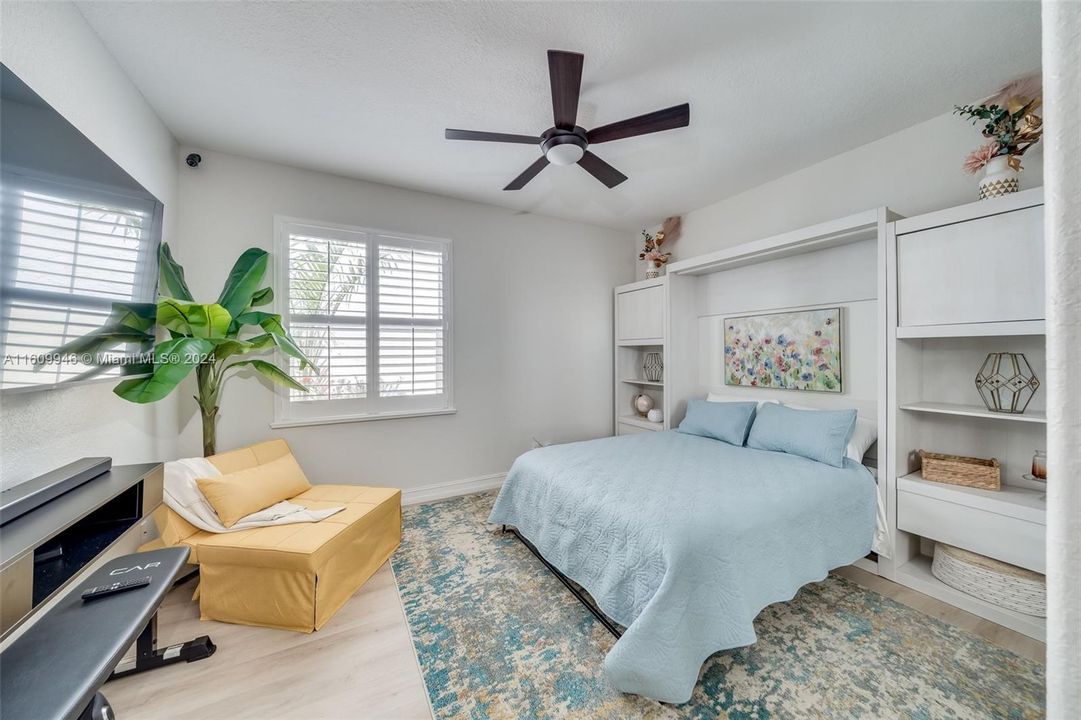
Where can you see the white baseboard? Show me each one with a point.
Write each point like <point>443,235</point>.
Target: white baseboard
<point>452,488</point>
<point>868,565</point>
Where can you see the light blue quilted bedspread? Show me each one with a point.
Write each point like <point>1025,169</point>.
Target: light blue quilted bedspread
<point>683,540</point>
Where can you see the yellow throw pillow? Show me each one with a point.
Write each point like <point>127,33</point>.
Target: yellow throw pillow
<point>243,492</point>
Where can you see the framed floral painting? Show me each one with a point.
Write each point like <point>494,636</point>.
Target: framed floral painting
<point>785,350</point>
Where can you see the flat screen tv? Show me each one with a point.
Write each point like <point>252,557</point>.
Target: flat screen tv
<point>78,242</point>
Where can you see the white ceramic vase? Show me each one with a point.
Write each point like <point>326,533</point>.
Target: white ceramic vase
<point>642,404</point>
<point>999,178</point>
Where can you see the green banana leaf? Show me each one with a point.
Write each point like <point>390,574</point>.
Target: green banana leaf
<point>261,342</point>
<point>258,317</point>
<point>128,323</point>
<point>243,281</point>
<point>270,371</point>
<point>287,346</point>
<point>173,361</point>
<point>125,370</point>
<point>171,282</point>
<point>138,316</point>
<point>194,319</point>
<point>262,297</point>
<point>227,347</point>
<point>272,323</point>
<point>104,338</point>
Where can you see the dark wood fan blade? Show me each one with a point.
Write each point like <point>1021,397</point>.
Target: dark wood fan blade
<point>667,119</point>
<point>565,71</point>
<point>453,134</point>
<point>601,170</point>
<point>530,172</point>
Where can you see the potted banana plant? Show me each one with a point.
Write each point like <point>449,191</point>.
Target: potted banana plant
<point>214,339</point>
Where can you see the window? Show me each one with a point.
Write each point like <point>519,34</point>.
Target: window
<point>371,310</point>
<point>69,253</point>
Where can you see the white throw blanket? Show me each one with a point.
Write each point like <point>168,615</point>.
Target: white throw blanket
<point>182,494</point>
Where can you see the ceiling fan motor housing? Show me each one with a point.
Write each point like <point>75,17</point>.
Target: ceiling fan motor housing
<point>564,147</point>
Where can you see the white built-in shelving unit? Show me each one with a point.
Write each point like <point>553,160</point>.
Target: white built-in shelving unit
<point>962,283</point>
<point>641,327</point>
<point>979,411</point>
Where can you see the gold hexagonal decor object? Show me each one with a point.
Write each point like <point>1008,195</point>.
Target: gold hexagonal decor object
<point>1006,382</point>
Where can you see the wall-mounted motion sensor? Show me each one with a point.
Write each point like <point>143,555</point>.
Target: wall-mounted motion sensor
<point>193,159</point>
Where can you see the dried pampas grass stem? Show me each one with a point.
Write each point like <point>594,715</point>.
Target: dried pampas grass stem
<point>1027,87</point>
<point>671,228</point>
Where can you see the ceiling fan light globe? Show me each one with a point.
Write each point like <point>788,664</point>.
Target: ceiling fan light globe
<point>564,154</point>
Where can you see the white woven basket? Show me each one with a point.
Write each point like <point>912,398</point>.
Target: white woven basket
<point>996,582</point>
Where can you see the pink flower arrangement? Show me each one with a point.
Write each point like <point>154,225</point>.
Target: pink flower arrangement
<point>656,257</point>
<point>1010,121</point>
<point>979,157</point>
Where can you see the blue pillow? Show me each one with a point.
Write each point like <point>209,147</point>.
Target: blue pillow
<point>725,421</point>
<point>820,435</point>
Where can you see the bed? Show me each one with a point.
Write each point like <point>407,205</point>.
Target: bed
<point>683,540</point>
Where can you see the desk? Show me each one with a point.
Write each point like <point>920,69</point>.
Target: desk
<point>53,670</point>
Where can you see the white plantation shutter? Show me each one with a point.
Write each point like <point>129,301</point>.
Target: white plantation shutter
<point>410,319</point>
<point>69,253</point>
<point>328,300</point>
<point>370,309</point>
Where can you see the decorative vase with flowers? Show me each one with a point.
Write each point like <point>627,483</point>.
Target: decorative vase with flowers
<point>1011,121</point>
<point>652,255</point>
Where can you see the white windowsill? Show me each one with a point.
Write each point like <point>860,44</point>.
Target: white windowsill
<point>278,424</point>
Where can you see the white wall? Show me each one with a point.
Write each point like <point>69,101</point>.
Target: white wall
<point>913,171</point>
<point>532,322</point>
<point>50,46</point>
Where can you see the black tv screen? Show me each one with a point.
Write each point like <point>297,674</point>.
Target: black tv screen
<point>79,243</point>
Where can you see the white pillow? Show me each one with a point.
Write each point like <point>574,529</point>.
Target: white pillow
<point>726,397</point>
<point>863,437</point>
<point>864,434</point>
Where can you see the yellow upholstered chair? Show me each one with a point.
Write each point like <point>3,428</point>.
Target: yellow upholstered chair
<point>289,576</point>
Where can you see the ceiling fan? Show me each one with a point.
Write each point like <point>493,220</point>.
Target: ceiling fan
<point>566,143</point>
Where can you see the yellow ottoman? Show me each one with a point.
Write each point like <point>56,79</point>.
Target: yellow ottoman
<point>289,576</point>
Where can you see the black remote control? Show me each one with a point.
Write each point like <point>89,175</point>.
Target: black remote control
<point>103,590</point>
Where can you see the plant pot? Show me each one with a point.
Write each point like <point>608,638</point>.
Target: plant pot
<point>999,178</point>
<point>652,271</point>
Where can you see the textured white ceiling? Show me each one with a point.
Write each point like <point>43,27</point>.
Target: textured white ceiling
<point>366,89</point>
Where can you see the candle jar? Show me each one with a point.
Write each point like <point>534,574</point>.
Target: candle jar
<point>1039,465</point>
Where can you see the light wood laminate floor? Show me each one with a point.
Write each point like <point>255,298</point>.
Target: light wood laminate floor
<point>361,664</point>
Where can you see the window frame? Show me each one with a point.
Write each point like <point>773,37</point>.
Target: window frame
<point>323,412</point>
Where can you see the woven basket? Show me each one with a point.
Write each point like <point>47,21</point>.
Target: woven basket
<point>960,470</point>
<point>996,582</point>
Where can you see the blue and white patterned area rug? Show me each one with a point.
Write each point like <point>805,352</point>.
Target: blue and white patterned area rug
<point>497,636</point>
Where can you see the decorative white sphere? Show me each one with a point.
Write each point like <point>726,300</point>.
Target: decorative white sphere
<point>655,415</point>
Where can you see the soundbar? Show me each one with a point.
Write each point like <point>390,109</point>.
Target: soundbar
<point>24,497</point>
